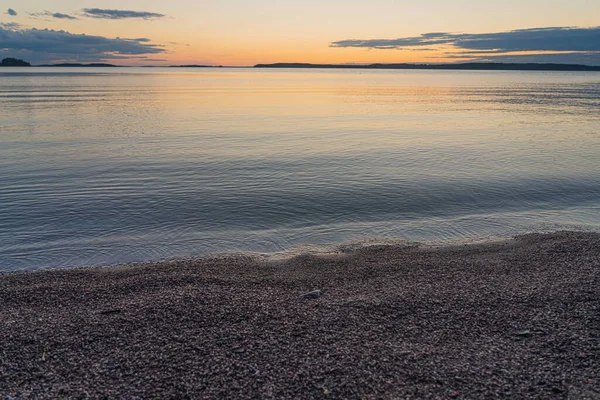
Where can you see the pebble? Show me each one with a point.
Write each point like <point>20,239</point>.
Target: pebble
<point>409,323</point>
<point>315,294</point>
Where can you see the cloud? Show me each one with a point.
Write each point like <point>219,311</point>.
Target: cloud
<point>537,39</point>
<point>119,14</point>
<point>56,15</point>
<point>44,46</point>
<point>10,25</point>
<point>11,12</point>
<point>387,44</point>
<point>563,42</point>
<point>63,16</point>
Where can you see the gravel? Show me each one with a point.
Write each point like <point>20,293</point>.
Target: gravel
<point>513,319</point>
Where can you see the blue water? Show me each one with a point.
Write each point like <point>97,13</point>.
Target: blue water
<point>105,166</point>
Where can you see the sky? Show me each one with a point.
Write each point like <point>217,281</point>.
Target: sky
<point>243,32</point>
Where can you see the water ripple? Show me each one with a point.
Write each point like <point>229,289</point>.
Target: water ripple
<point>111,167</point>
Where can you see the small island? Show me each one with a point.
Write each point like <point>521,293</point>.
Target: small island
<point>77,65</point>
<point>191,66</point>
<point>14,62</point>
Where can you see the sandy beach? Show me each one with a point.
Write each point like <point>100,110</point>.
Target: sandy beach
<point>513,319</point>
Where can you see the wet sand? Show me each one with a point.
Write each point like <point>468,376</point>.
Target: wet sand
<point>513,319</point>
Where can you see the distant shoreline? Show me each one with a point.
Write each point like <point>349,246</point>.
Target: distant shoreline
<point>77,65</point>
<point>377,66</point>
<point>453,67</point>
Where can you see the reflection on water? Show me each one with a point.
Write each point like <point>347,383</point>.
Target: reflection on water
<point>100,167</point>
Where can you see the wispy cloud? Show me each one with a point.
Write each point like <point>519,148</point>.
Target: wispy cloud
<point>63,16</point>
<point>537,39</point>
<point>388,44</point>
<point>49,14</point>
<point>42,46</point>
<point>565,43</point>
<point>119,14</point>
<point>11,12</point>
<point>10,25</point>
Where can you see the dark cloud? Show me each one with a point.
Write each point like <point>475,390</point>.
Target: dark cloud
<point>434,34</point>
<point>544,39</point>
<point>539,39</point>
<point>119,14</point>
<point>11,12</point>
<point>10,25</point>
<point>388,44</point>
<point>49,14</point>
<point>62,16</point>
<point>43,46</point>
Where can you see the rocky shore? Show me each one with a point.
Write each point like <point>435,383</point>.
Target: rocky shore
<point>513,319</point>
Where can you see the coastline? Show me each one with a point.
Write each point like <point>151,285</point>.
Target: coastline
<point>515,318</point>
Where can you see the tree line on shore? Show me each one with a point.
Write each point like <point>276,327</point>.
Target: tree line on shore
<point>14,62</point>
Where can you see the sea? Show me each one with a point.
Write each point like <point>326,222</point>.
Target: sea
<point>119,165</point>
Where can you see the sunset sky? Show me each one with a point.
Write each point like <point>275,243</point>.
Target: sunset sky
<point>236,32</point>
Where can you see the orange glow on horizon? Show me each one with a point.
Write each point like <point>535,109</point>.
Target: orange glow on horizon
<point>327,55</point>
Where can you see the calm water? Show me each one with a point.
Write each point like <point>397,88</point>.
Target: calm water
<point>109,166</point>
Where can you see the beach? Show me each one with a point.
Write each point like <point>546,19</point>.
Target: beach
<point>511,319</point>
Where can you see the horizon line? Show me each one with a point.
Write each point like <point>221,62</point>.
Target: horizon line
<point>350,65</point>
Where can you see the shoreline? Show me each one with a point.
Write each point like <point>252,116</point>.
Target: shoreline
<point>513,318</point>
<point>460,66</point>
<point>301,249</point>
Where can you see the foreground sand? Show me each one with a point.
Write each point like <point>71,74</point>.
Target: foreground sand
<point>507,320</point>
